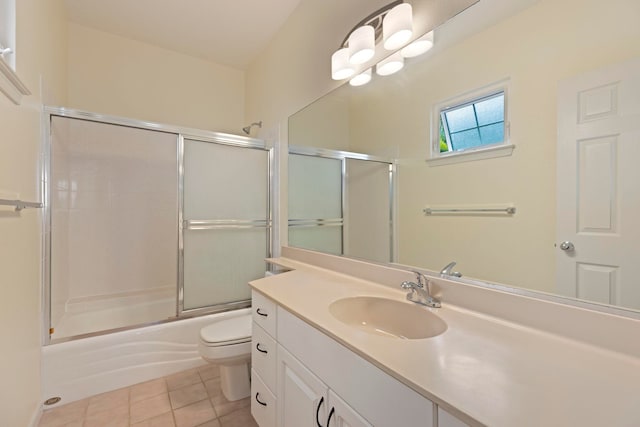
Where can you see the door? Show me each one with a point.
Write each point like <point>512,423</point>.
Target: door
<point>598,232</point>
<point>226,224</point>
<point>302,397</point>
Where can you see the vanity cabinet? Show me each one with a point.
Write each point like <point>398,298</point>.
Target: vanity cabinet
<point>315,381</point>
<point>263,361</point>
<point>307,401</point>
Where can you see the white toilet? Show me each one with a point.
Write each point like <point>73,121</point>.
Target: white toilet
<point>227,343</point>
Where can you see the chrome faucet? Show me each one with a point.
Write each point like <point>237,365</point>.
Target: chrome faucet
<point>448,270</point>
<point>420,292</point>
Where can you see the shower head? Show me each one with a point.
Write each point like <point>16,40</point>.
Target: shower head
<point>247,129</point>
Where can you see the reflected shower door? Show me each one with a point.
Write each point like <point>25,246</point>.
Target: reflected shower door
<point>226,226</point>
<point>113,226</point>
<point>368,220</point>
<point>315,203</point>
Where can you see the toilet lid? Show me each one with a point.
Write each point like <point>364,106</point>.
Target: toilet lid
<point>236,329</point>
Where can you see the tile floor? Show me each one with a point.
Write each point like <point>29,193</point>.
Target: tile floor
<point>187,399</point>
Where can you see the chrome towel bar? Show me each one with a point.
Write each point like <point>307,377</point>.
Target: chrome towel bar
<point>19,204</point>
<point>510,210</point>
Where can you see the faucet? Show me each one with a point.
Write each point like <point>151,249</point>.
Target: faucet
<point>447,270</point>
<point>420,292</point>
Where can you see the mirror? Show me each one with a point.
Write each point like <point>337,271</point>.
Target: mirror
<point>573,107</point>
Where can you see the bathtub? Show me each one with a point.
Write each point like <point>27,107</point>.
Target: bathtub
<point>78,369</point>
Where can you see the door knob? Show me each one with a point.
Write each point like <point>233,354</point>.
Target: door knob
<point>567,246</point>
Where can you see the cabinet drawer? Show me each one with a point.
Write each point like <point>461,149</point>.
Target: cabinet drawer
<point>264,312</point>
<point>263,402</point>
<point>263,356</point>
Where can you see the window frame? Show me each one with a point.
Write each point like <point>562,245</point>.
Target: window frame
<point>10,84</point>
<point>498,149</point>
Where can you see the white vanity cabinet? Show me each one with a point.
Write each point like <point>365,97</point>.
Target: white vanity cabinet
<point>263,361</point>
<point>308,402</point>
<point>445,419</point>
<point>315,381</point>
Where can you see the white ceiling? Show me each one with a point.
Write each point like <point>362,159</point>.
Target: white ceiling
<point>229,32</point>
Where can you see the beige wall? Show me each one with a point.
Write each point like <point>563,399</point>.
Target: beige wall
<point>113,75</point>
<point>41,57</point>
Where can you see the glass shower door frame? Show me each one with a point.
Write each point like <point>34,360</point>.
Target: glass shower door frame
<point>343,156</point>
<point>185,225</point>
<point>181,133</point>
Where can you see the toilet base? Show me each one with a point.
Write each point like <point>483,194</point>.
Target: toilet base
<point>234,381</point>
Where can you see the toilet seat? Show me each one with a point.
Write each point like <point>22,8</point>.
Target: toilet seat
<point>236,330</point>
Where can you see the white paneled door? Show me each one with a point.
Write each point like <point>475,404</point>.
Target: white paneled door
<point>598,179</point>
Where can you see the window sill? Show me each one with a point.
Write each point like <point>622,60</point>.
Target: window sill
<point>11,85</point>
<point>471,155</point>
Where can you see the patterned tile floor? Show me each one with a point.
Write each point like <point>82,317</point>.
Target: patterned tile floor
<point>191,398</point>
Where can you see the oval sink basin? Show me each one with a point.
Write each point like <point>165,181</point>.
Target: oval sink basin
<point>389,318</point>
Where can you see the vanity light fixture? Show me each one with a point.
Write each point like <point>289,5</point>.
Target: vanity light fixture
<point>419,46</point>
<point>397,27</point>
<point>390,65</point>
<point>361,79</point>
<point>340,67</point>
<point>392,27</point>
<point>362,45</point>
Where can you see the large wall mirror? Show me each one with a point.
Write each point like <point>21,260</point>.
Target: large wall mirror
<point>572,70</point>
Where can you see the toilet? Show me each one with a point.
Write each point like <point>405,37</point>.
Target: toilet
<point>227,343</point>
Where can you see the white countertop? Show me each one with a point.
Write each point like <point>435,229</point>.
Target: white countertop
<point>487,370</point>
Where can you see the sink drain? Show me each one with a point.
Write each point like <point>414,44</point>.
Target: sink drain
<point>52,400</point>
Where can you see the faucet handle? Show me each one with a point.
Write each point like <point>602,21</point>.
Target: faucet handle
<point>410,285</point>
<point>420,278</point>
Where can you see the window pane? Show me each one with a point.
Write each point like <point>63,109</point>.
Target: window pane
<point>461,119</point>
<point>490,110</point>
<point>466,139</point>
<point>492,134</point>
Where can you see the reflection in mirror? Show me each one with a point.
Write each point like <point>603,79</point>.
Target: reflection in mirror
<point>341,203</point>
<point>574,117</point>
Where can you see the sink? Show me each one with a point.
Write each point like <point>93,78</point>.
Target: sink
<point>387,317</point>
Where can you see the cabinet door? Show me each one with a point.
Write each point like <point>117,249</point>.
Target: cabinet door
<point>445,419</point>
<point>343,415</point>
<point>302,397</point>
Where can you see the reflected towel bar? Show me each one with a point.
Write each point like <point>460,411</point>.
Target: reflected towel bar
<point>508,210</point>
<point>19,204</point>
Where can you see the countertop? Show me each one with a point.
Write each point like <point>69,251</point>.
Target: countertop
<point>484,369</point>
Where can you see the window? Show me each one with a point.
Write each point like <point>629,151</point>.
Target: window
<point>8,32</point>
<point>10,84</point>
<point>471,126</point>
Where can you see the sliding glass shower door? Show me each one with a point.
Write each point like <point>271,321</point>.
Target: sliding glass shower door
<point>145,225</point>
<point>226,223</point>
<point>112,231</point>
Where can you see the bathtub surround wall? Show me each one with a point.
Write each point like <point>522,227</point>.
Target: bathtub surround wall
<point>41,65</point>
